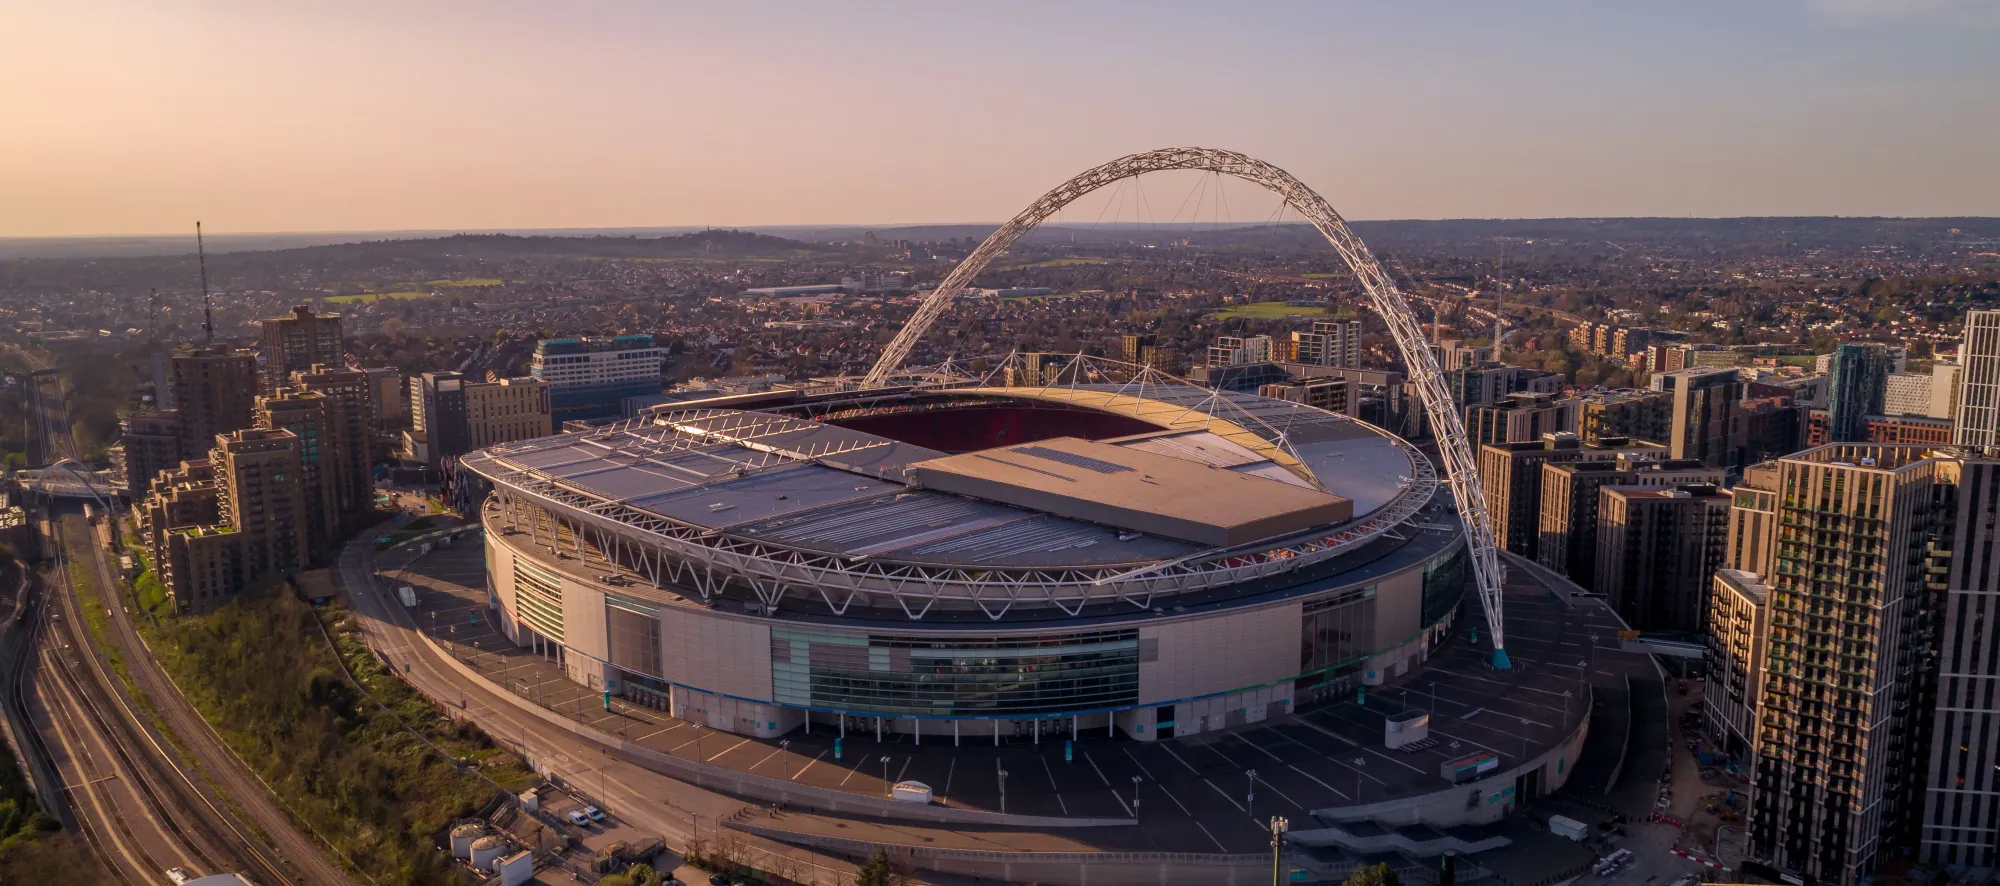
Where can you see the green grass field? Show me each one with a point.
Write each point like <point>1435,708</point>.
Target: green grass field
<point>1797,360</point>
<point>1057,263</point>
<point>1270,310</point>
<point>367,297</point>
<point>469,281</point>
<point>1324,275</point>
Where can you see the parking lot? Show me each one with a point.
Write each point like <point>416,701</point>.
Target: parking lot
<point>1195,793</point>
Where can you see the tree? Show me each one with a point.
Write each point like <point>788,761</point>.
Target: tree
<point>1374,875</point>
<point>878,872</point>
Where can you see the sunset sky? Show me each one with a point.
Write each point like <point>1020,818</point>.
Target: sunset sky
<point>139,116</point>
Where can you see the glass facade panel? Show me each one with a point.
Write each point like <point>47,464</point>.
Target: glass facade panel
<point>632,633</point>
<point>1445,579</point>
<point>538,598</point>
<point>943,677</point>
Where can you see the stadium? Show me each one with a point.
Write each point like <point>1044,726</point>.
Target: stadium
<point>1107,552</point>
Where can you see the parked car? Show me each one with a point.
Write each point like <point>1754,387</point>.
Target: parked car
<point>576,817</point>
<point>595,813</point>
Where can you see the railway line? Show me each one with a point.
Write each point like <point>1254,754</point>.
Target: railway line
<point>147,791</point>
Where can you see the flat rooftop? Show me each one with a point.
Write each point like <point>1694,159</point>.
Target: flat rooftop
<point>1132,488</point>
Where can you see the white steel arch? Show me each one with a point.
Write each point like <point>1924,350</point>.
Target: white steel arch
<point>1461,471</point>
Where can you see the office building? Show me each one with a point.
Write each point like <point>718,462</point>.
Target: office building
<point>295,343</point>
<point>1857,381</point>
<point>588,377</point>
<point>506,410</point>
<point>1511,475</point>
<point>215,391</point>
<point>1520,418</point>
<point>1657,553</point>
<point>148,443</point>
<point>1907,394</point>
<point>1635,415</point>
<point>1330,343</point>
<point>1841,716</point>
<point>1704,415</point>
<point>351,409</point>
<point>310,418</point>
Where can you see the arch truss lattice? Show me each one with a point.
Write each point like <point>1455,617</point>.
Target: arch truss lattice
<point>1461,471</point>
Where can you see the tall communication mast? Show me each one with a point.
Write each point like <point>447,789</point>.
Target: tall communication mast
<point>207,311</point>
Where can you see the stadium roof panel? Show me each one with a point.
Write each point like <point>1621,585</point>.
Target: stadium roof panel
<point>1135,489</point>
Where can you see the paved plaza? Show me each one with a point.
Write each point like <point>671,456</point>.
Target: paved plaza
<point>1194,794</point>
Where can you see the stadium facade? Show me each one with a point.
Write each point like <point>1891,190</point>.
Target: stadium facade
<point>971,558</point>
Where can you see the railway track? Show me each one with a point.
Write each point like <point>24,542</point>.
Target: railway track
<point>169,792</point>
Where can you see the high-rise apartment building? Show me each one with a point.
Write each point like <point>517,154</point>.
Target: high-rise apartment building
<point>589,377</point>
<point>261,496</point>
<point>392,396</point>
<point>351,421</point>
<point>1637,415</point>
<point>1961,806</point>
<point>1857,381</point>
<point>148,443</point>
<point>1132,346</point>
<point>1978,421</point>
<point>1657,553</point>
<point>296,342</point>
<point>506,410</point>
<point>1233,350</point>
<point>310,417</point>
<point>1520,418</point>
<point>1511,475</point>
<point>1704,415</point>
<point>437,412</point>
<point>230,523</point>
<point>1342,395</point>
<point>215,391</point>
<point>1330,343</point>
<point>1489,382</point>
<point>1842,709</point>
<point>1572,496</point>
<point>1738,625</point>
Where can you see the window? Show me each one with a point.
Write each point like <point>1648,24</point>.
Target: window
<point>896,674</point>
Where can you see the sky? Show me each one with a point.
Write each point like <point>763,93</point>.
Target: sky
<point>141,116</point>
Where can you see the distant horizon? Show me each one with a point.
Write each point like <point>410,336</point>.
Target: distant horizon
<point>463,115</point>
<point>533,230</point>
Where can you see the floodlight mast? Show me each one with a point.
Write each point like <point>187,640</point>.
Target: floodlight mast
<point>1461,471</point>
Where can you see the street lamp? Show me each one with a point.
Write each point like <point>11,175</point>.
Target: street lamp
<point>1003,792</point>
<point>1135,796</point>
<point>1250,795</point>
<point>887,789</point>
<point>1278,828</point>
<point>698,736</point>
<point>784,759</point>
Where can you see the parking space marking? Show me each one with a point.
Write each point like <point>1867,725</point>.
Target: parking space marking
<point>1177,758</point>
<point>668,728</point>
<point>1100,772</point>
<point>1142,767</point>
<point>1245,737</point>
<point>767,758</point>
<point>1211,837</point>
<point>1225,795</point>
<point>1336,791</point>
<point>727,750</point>
<point>905,767</point>
<point>1281,795</point>
<point>802,770</point>
<point>850,774</point>
<point>950,769</point>
<point>1052,783</point>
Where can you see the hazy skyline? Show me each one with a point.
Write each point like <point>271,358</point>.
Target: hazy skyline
<point>123,117</point>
